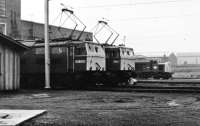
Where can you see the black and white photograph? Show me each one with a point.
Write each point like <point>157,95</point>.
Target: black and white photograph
<point>99,63</point>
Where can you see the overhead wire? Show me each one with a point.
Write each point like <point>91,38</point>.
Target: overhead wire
<point>156,17</point>
<point>133,4</point>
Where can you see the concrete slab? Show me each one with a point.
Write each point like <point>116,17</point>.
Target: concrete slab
<point>16,117</point>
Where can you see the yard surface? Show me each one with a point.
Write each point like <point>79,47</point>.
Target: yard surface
<point>104,108</point>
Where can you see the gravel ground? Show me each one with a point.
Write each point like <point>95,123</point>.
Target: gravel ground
<point>104,108</point>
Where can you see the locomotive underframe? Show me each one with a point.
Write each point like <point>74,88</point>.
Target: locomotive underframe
<point>77,79</point>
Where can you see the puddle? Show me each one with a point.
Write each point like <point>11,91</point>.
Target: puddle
<point>173,103</point>
<point>124,100</point>
<point>41,95</point>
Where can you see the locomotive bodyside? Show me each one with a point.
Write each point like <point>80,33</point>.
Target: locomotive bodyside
<point>152,69</point>
<point>165,70</point>
<point>71,63</point>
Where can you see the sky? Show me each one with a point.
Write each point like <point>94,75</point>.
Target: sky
<point>148,26</point>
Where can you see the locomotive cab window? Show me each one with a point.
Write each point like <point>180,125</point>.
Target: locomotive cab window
<point>80,50</point>
<point>57,50</point>
<point>123,52</point>
<point>115,54</point>
<point>96,48</point>
<point>112,54</point>
<point>91,47</point>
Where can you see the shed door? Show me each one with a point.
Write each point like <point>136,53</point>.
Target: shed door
<point>1,68</point>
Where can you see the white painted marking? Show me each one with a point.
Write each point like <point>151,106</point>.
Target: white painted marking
<point>16,117</point>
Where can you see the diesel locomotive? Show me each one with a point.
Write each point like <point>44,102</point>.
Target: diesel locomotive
<point>152,69</point>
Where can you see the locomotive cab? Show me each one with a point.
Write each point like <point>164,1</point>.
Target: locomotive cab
<point>88,56</point>
<point>120,65</point>
<point>119,58</point>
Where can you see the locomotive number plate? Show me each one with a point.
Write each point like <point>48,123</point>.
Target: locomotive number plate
<point>79,61</point>
<point>115,61</point>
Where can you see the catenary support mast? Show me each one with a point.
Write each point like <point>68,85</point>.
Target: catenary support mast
<point>46,34</point>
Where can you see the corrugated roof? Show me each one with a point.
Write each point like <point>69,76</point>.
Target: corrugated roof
<point>6,40</point>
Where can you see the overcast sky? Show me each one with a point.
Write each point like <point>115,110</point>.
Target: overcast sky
<point>149,25</point>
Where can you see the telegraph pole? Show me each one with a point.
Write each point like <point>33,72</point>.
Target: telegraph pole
<point>46,36</point>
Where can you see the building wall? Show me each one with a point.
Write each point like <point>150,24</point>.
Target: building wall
<point>188,65</point>
<point>9,69</point>
<point>10,15</point>
<point>19,29</point>
<point>3,19</point>
<point>13,13</point>
<point>188,60</point>
<point>32,30</point>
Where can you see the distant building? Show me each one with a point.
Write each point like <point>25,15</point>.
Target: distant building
<point>173,59</point>
<point>188,65</point>
<point>188,58</point>
<point>12,25</point>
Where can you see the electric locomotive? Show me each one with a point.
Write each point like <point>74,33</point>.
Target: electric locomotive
<point>73,64</point>
<point>119,63</point>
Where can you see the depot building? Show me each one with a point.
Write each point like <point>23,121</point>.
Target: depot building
<point>10,51</point>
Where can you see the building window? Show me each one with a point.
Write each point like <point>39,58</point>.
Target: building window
<point>2,7</point>
<point>3,28</point>
<point>185,62</point>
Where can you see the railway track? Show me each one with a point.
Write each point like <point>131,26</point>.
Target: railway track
<point>172,81</point>
<point>168,86</point>
<point>149,89</point>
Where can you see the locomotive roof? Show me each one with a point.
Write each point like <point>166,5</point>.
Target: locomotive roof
<point>60,43</point>
<point>113,46</point>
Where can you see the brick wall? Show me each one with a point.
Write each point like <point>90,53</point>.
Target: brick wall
<point>20,29</point>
